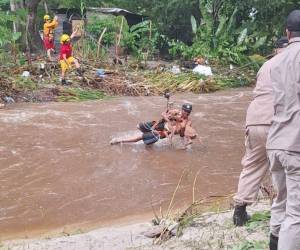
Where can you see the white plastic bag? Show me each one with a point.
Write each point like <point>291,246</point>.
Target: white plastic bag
<point>203,70</point>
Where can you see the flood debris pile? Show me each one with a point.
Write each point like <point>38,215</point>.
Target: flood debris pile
<point>120,83</point>
<point>166,227</point>
<point>216,231</point>
<point>212,230</point>
<point>40,81</point>
<point>184,82</point>
<point>210,221</point>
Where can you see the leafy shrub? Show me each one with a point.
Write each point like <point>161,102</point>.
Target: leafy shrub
<point>97,24</point>
<point>220,36</point>
<point>140,40</point>
<point>7,37</point>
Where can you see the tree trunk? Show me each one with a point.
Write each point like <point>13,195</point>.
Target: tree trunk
<point>46,7</point>
<point>15,5</point>
<point>13,8</point>
<point>18,26</point>
<point>33,38</point>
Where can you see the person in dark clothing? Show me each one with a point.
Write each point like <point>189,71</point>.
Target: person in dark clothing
<point>172,122</point>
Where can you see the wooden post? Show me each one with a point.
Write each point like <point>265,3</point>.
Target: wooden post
<point>100,40</point>
<point>118,40</point>
<point>150,37</point>
<point>121,29</point>
<point>150,28</point>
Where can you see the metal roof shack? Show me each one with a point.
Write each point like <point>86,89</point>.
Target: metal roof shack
<point>131,18</point>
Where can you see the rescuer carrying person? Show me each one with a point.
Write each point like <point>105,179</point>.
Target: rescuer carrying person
<point>49,27</point>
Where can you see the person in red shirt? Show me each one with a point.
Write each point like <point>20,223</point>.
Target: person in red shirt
<point>66,58</point>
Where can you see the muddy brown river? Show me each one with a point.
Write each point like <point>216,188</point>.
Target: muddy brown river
<point>58,170</point>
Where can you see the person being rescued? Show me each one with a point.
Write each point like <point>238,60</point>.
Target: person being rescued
<point>66,58</point>
<point>48,37</point>
<point>173,122</point>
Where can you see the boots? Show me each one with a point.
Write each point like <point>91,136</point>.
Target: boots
<point>273,242</point>
<point>63,82</point>
<point>240,216</point>
<point>79,72</point>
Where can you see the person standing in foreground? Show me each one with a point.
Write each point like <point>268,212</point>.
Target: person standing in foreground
<point>283,144</point>
<point>258,120</point>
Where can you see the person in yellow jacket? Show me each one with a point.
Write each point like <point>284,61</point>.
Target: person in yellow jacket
<point>66,58</point>
<point>49,27</point>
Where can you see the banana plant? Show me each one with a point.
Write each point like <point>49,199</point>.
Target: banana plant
<point>6,34</point>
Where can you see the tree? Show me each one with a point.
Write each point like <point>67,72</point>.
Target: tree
<point>33,39</point>
<point>14,7</point>
<point>172,17</point>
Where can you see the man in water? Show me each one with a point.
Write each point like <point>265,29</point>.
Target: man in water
<point>172,122</point>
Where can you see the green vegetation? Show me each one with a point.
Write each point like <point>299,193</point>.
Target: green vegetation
<point>259,220</point>
<point>96,25</point>
<point>222,29</point>
<point>24,83</point>
<point>77,94</point>
<point>252,245</point>
<point>141,40</point>
<point>227,34</point>
<point>260,217</point>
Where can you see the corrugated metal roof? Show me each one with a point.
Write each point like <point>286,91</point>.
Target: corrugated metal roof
<point>113,11</point>
<point>132,18</point>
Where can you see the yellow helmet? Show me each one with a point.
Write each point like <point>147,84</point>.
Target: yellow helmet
<point>46,17</point>
<point>64,38</point>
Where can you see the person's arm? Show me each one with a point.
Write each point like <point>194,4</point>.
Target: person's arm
<point>154,125</point>
<point>165,116</point>
<point>186,123</point>
<point>190,134</point>
<point>189,123</point>
<point>170,134</point>
<point>74,33</point>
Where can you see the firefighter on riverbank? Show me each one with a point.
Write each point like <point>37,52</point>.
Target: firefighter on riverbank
<point>66,58</point>
<point>283,143</point>
<point>258,120</point>
<point>49,27</point>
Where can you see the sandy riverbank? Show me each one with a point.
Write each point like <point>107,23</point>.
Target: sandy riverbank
<point>208,231</point>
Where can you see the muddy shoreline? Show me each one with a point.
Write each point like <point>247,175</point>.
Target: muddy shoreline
<point>212,230</point>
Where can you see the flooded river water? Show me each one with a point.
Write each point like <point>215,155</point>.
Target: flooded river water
<point>57,167</point>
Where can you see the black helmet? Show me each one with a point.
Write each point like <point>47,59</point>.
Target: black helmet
<point>187,107</point>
